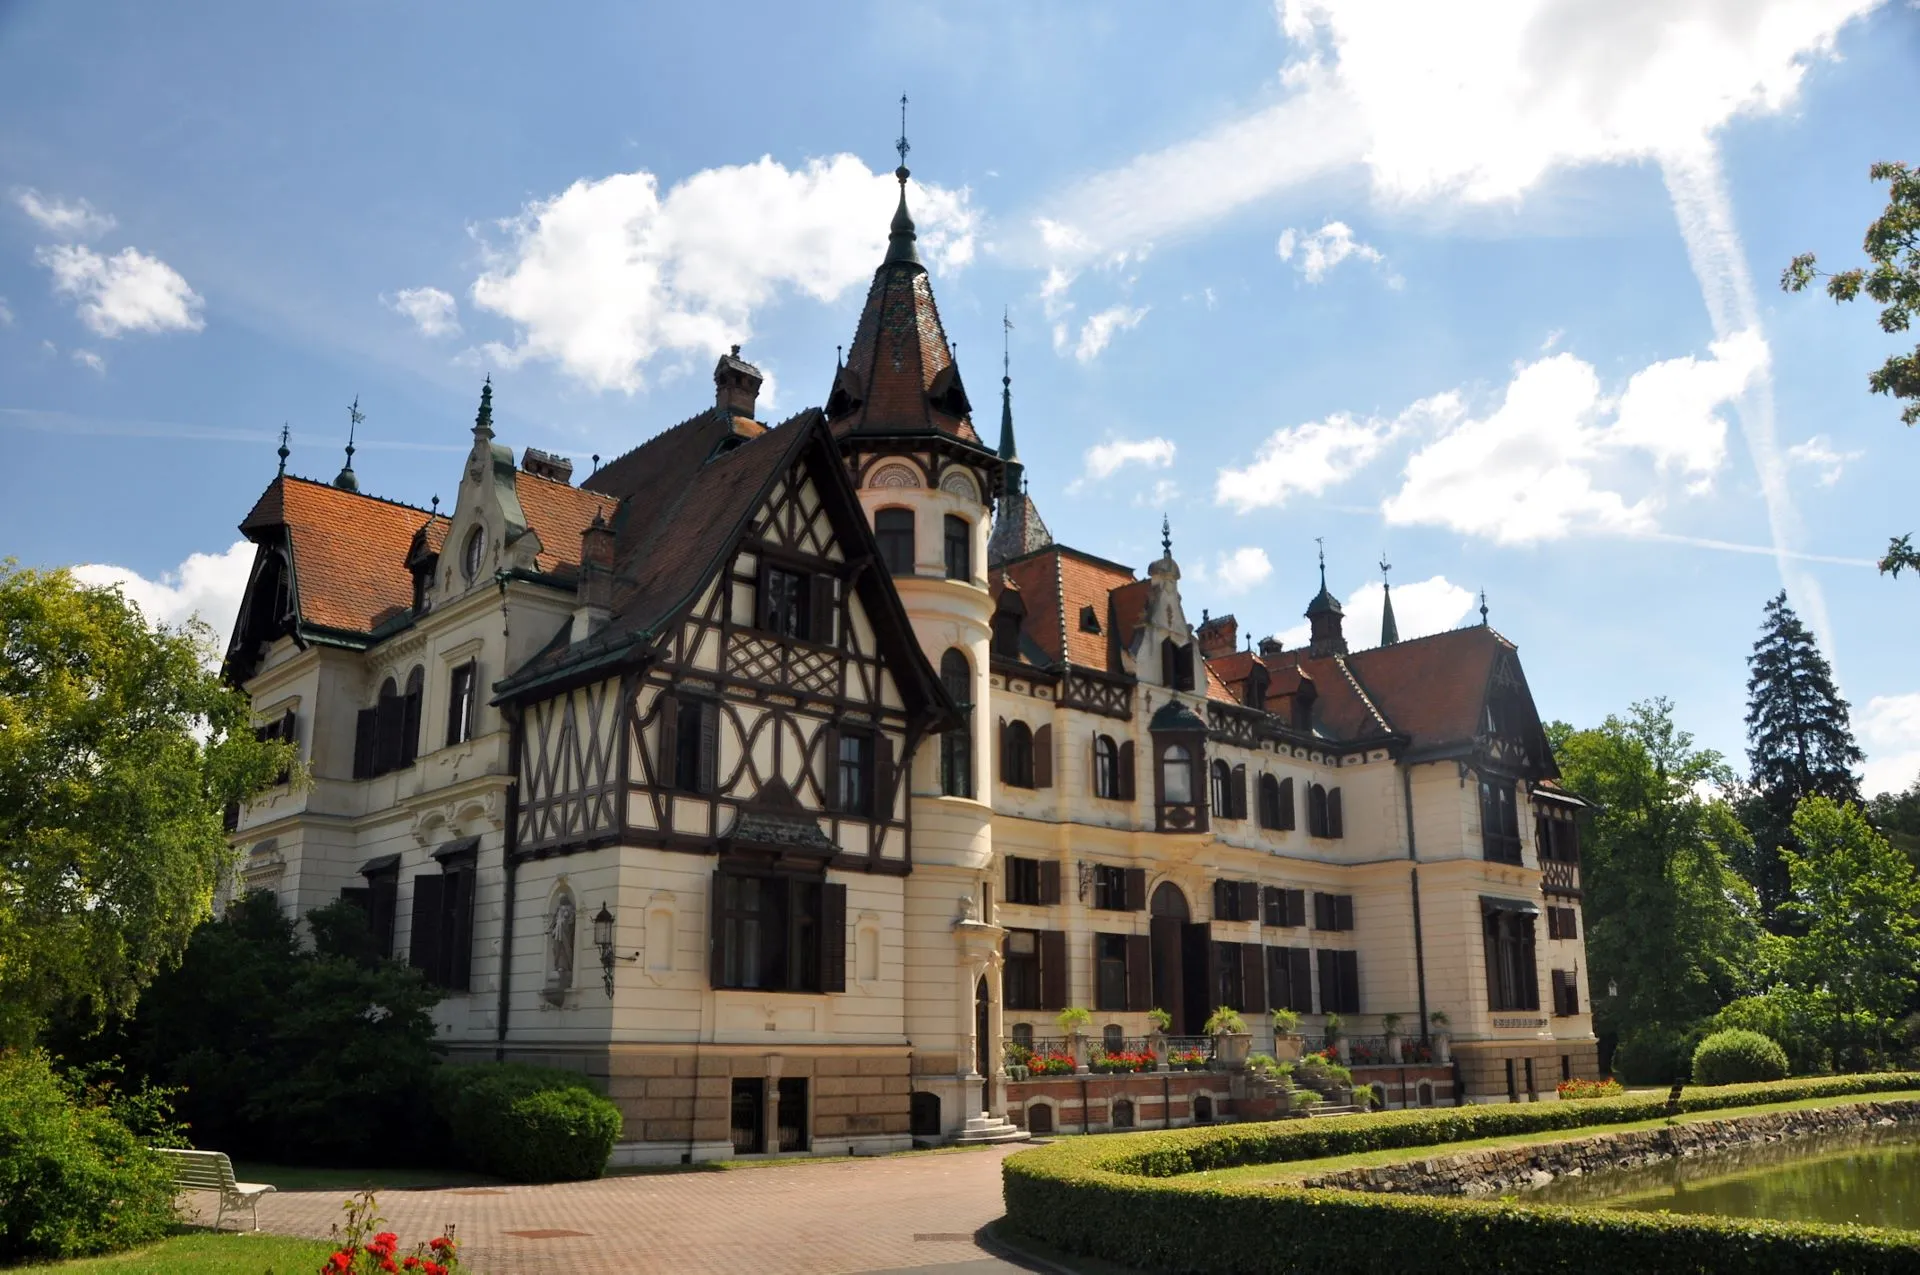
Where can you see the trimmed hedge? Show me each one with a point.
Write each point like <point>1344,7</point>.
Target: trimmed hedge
<point>530,1124</point>
<point>1736,1056</point>
<point>1142,1200</point>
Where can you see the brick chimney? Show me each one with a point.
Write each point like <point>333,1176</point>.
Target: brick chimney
<point>736,384</point>
<point>1218,635</point>
<point>595,590</point>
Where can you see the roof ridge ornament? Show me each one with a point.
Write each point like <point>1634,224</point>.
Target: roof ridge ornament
<point>346,479</point>
<point>901,234</point>
<point>1166,536</point>
<point>283,453</point>
<point>1389,627</point>
<point>1483,608</point>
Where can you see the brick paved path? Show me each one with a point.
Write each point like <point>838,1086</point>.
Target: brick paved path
<point>804,1219</point>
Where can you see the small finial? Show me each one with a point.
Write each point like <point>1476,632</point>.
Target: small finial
<point>901,145</point>
<point>1322,542</point>
<point>1006,346</point>
<point>436,505</point>
<point>1483,608</point>
<point>596,462</point>
<point>283,447</point>
<point>1385,567</point>
<point>346,479</point>
<point>736,351</point>
<point>1166,536</point>
<point>483,419</point>
<point>839,357</point>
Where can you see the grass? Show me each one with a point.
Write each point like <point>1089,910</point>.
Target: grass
<point>1294,1170</point>
<point>301,1177</point>
<point>204,1253</point>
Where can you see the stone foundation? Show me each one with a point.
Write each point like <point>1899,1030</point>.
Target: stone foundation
<point>1483,1067</point>
<point>1503,1169</point>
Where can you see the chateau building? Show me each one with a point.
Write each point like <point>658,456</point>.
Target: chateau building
<point>780,775</point>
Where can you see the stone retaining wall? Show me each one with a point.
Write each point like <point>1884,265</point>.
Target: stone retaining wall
<point>1502,1169</point>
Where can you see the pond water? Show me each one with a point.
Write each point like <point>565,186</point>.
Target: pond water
<point>1867,1176</point>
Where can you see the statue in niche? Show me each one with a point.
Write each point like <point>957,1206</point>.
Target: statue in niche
<point>559,950</point>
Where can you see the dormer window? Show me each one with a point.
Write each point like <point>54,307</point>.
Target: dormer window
<point>1176,664</point>
<point>474,554</point>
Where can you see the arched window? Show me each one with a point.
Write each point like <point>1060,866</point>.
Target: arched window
<point>410,715</point>
<point>1106,768</point>
<point>1023,1036</point>
<point>959,546</point>
<point>1176,775</point>
<point>1122,1114</point>
<point>1113,1038</point>
<point>392,714</point>
<point>956,746</point>
<point>1016,755</point>
<point>1269,802</point>
<point>893,528</point>
<point>1317,812</point>
<point>1222,790</point>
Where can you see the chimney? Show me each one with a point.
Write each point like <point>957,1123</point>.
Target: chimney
<point>736,384</point>
<point>1271,646</point>
<point>595,590</point>
<point>546,465</point>
<point>1217,636</point>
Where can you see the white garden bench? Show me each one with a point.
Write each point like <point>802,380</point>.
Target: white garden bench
<point>212,1171</point>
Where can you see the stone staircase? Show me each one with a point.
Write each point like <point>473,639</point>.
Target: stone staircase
<point>982,1128</point>
<point>1320,1109</point>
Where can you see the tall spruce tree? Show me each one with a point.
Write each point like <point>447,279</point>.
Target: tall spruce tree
<point>1799,745</point>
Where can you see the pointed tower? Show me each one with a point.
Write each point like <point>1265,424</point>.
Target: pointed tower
<point>1017,526</point>
<point>1389,630</point>
<point>1326,619</point>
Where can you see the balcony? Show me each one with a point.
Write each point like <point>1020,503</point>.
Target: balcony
<point>1558,876</point>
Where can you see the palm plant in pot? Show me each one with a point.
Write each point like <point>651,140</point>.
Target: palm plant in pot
<point>1288,1043</point>
<point>1232,1042</point>
<point>1073,1021</point>
<point>1337,1038</point>
<point>1157,1037</point>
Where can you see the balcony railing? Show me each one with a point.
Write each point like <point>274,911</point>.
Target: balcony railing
<point>1558,876</point>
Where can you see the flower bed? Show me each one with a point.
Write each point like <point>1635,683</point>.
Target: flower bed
<point>1123,1061</point>
<point>1141,1200</point>
<point>1187,1060</point>
<point>1050,1064</point>
<point>1589,1089</point>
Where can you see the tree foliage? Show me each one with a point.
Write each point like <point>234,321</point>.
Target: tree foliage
<point>1668,920</point>
<point>119,750</point>
<point>1896,815</point>
<point>1799,743</point>
<point>1892,281</point>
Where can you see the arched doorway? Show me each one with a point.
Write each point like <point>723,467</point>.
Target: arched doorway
<point>983,1046</point>
<point>1180,959</point>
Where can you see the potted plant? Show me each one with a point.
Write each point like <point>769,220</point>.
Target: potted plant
<point>1390,1028</point>
<point>1288,1043</point>
<point>1336,1038</point>
<point>1442,1038</point>
<point>1073,1019</point>
<point>1231,1039</point>
<point>1157,1038</point>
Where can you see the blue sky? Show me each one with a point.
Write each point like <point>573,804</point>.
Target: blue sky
<point>1490,292</point>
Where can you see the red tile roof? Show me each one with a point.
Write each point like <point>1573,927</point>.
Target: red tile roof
<point>558,512</point>
<point>349,551</point>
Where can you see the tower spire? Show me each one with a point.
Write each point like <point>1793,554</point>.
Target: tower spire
<point>483,420</point>
<point>1324,615</point>
<point>901,235</point>
<point>1389,629</point>
<point>1483,608</point>
<point>283,448</point>
<point>1014,473</point>
<point>1166,536</point>
<point>346,479</point>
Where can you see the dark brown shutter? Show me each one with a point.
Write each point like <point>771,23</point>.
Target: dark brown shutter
<point>1286,805</point>
<point>423,944</point>
<point>1334,825</point>
<point>1137,892</point>
<point>1139,973</point>
<point>709,746</point>
<point>1320,911</point>
<point>716,933</point>
<point>391,717</point>
<point>1126,771</point>
<point>1006,753</point>
<point>1329,982</point>
<point>666,706</point>
<point>883,776</point>
<point>410,723</point>
<point>820,617</point>
<point>1300,974</point>
<point>1569,923</point>
<point>1343,912</point>
<point>1049,880</point>
<point>1559,981</point>
<point>833,937</point>
<point>1572,993</point>
<point>457,891</point>
<point>1053,965</point>
<point>1043,757</point>
<point>1350,981</point>
<point>1222,900</point>
<point>1247,905</point>
<point>830,771</point>
<point>1012,895</point>
<point>1296,907</point>
<point>1239,792</point>
<point>1272,907</point>
<point>1253,976</point>
<point>366,737</point>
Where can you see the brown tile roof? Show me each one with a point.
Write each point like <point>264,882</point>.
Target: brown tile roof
<point>1055,585</point>
<point>1433,688</point>
<point>349,551</point>
<point>558,512</point>
<point>1129,610</point>
<point>900,373</point>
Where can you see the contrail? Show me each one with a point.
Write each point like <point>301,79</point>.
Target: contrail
<point>1700,204</point>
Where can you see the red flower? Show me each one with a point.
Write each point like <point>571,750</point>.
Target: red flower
<point>433,1268</point>
<point>339,1261</point>
<point>440,1243</point>
<point>412,1263</point>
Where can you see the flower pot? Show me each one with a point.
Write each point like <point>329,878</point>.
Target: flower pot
<point>1344,1048</point>
<point>1232,1048</point>
<point>1396,1049</point>
<point>1442,1048</point>
<point>1289,1046</point>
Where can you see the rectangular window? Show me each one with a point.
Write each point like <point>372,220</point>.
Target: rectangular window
<point>1332,912</point>
<point>1110,889</point>
<point>893,532</point>
<point>959,547</point>
<point>785,602</point>
<point>779,934</point>
<point>1020,970</point>
<point>1499,821</point>
<point>1229,984</point>
<point>1023,881</point>
<point>1236,901</point>
<point>1110,971</point>
<point>853,775</point>
<point>1284,908</point>
<point>1512,983</point>
<point>460,698</point>
<point>1566,994</point>
<point>440,945</point>
<point>1290,978</point>
<point>1563,923</point>
<point>379,897</point>
<point>1339,982</point>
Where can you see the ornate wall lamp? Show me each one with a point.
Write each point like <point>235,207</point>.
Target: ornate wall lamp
<point>603,939</point>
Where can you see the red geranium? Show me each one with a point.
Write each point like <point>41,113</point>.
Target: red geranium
<point>366,1250</point>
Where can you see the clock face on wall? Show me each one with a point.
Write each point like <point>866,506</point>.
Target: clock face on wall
<point>475,553</point>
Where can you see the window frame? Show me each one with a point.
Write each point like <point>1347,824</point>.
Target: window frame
<point>1110,962</point>
<point>787,934</point>
<point>1020,978</point>
<point>1184,764</point>
<point>956,535</point>
<point>1016,763</point>
<point>893,539</point>
<point>463,683</point>
<point>1512,960</point>
<point>853,774</point>
<point>956,743</point>
<point>1106,768</point>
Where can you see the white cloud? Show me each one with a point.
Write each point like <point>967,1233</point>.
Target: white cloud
<point>1890,735</point>
<point>608,275</point>
<point>1419,608</point>
<point>90,359</point>
<point>78,219</point>
<point>127,292</point>
<point>1323,249</point>
<point>1533,468</point>
<point>1104,460</point>
<point>6,315</point>
<point>1818,453</point>
<point>1307,459</point>
<point>1163,493</point>
<point>1240,570</point>
<point>434,312</point>
<point>1099,329</point>
<point>207,585</point>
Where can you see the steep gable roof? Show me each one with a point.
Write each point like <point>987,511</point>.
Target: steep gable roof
<point>1057,584</point>
<point>348,550</point>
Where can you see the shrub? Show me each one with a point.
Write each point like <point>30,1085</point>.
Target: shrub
<point>1738,1057</point>
<point>73,1180</point>
<point>1791,1019</point>
<point>1119,1199</point>
<point>531,1124</point>
<point>1651,1055</point>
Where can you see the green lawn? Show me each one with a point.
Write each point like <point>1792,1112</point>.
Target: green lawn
<point>1293,1170</point>
<point>299,1177</point>
<point>205,1253</point>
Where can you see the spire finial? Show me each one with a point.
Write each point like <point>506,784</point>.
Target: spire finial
<point>1322,542</point>
<point>900,235</point>
<point>436,505</point>
<point>346,479</point>
<point>901,145</point>
<point>483,420</point>
<point>1389,627</point>
<point>283,447</point>
<point>1483,608</point>
<point>1166,536</point>
<point>1006,345</point>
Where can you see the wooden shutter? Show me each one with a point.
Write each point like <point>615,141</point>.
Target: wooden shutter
<point>1139,973</point>
<point>1012,895</point>
<point>366,742</point>
<point>709,768</point>
<point>1329,982</point>
<point>716,933</point>
<point>1272,906</point>
<point>833,937</point>
<point>1126,771</point>
<point>390,718</point>
<point>1222,900</point>
<point>1343,911</point>
<point>457,894</point>
<point>820,610</point>
<point>410,726</point>
<point>1253,976</point>
<point>830,773</point>
<point>1043,757</point>
<point>666,706</point>
<point>1053,965</point>
<point>1349,966</point>
<point>1137,892</point>
<point>883,776</point>
<point>1247,904</point>
<point>1300,979</point>
<point>423,944</point>
<point>1320,912</point>
<point>1569,923</point>
<point>1286,805</point>
<point>1277,985</point>
<point>1049,881</point>
<point>1006,753</point>
<point>1239,792</point>
<point>1296,907</point>
<point>1334,824</point>
<point>1559,978</point>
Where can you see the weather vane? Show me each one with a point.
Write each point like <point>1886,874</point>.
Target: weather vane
<point>901,145</point>
<point>1166,536</point>
<point>283,447</point>
<point>1385,566</point>
<point>1006,343</point>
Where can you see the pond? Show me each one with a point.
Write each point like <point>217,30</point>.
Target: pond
<point>1867,1176</point>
